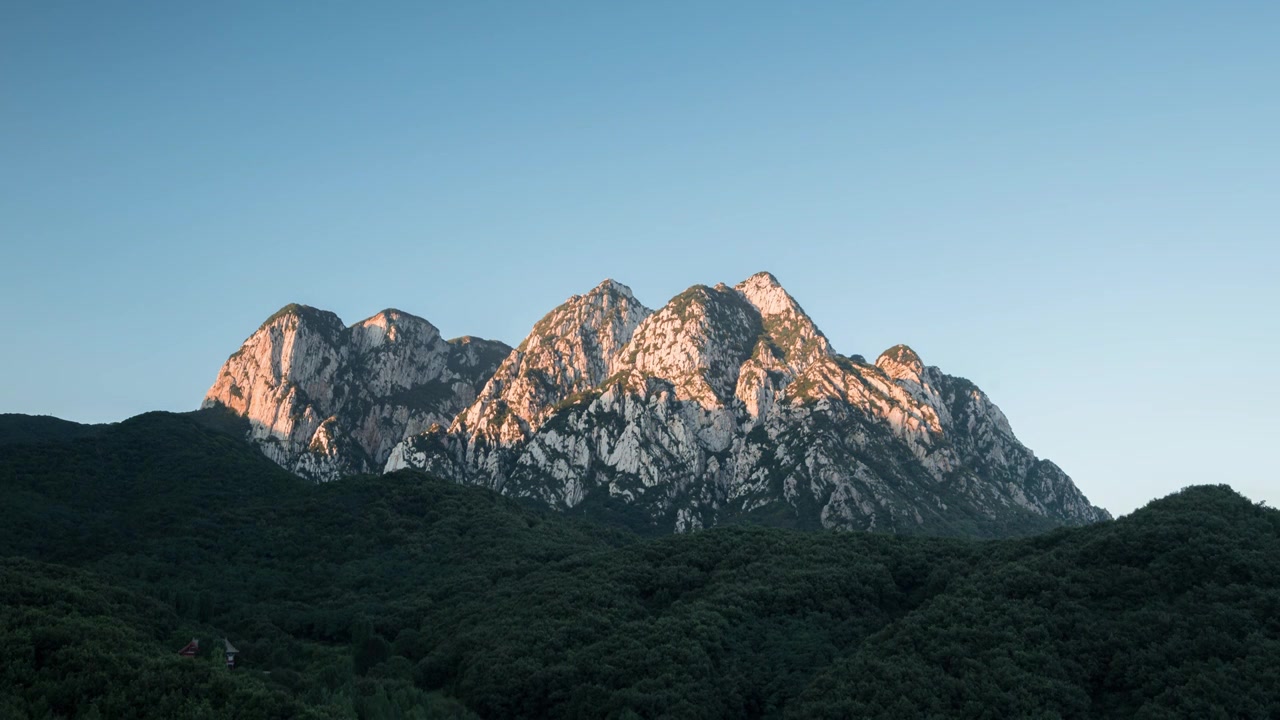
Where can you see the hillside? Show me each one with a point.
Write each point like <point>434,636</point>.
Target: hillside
<point>406,596</point>
<point>16,428</point>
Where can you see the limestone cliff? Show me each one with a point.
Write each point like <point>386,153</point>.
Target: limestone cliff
<point>729,403</point>
<point>325,400</point>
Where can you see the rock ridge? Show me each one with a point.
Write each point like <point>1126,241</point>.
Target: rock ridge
<point>324,399</point>
<point>725,404</point>
<point>729,403</point>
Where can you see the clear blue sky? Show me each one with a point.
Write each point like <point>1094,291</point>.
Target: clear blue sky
<point>1076,205</point>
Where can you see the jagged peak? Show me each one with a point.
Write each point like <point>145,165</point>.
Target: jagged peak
<point>392,316</point>
<point>464,340</point>
<point>697,306</point>
<point>608,304</point>
<point>701,295</point>
<point>763,277</point>
<point>900,355</point>
<point>767,295</point>
<point>613,287</point>
<point>471,351</point>
<point>782,321</point>
<point>607,288</point>
<point>698,340</point>
<point>304,314</point>
<point>701,305</point>
<point>609,292</point>
<point>295,310</point>
<point>393,326</point>
<point>786,324</point>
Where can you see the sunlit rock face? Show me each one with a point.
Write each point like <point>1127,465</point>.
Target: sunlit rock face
<point>568,351</point>
<point>324,399</point>
<point>729,403</point>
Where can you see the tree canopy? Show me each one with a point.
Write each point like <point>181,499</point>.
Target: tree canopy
<point>403,596</point>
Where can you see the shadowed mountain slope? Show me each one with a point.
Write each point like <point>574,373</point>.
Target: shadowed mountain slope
<point>405,596</point>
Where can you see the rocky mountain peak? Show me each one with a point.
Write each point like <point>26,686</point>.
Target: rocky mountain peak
<point>392,326</point>
<point>609,312</point>
<point>610,286</point>
<point>569,350</point>
<point>296,316</point>
<point>608,292</point>
<point>324,399</point>
<point>900,362</point>
<point>391,317</point>
<point>765,292</point>
<point>788,330</point>
<point>763,276</point>
<point>726,402</point>
<point>729,402</point>
<point>698,341</point>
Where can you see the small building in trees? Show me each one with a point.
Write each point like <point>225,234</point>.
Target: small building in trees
<point>231,653</point>
<point>190,649</point>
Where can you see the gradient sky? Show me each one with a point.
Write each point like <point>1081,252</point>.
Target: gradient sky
<point>1076,205</point>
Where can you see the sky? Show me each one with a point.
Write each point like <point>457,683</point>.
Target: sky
<point>1075,205</point>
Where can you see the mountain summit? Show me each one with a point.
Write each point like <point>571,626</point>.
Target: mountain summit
<point>725,404</point>
<point>325,400</point>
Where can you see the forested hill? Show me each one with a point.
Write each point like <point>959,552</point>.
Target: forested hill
<point>16,428</point>
<point>401,596</point>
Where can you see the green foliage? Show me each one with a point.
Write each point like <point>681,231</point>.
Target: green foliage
<point>15,428</point>
<point>402,596</point>
<point>1168,613</point>
<point>77,647</point>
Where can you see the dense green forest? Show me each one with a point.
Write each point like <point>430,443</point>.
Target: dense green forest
<point>16,428</point>
<point>402,596</point>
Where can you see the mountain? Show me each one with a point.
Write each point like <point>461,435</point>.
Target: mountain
<point>325,400</point>
<point>729,404</point>
<point>405,596</point>
<point>118,548</point>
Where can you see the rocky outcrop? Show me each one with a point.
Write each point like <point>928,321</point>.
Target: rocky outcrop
<point>324,399</point>
<point>728,403</point>
<point>568,352</point>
